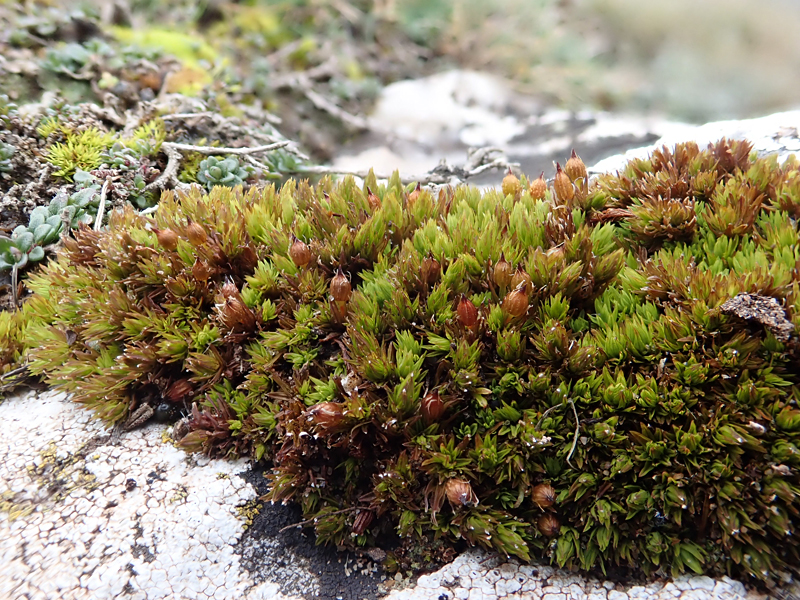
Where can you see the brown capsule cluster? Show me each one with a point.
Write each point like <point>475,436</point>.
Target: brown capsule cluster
<point>571,182</point>
<point>459,493</point>
<point>544,496</point>
<point>195,233</point>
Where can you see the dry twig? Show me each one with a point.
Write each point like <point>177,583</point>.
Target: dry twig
<point>214,150</point>
<point>577,432</point>
<point>98,222</point>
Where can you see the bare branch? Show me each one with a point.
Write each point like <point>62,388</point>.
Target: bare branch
<point>98,222</point>
<point>214,150</point>
<point>577,432</point>
<point>329,107</point>
<point>169,176</point>
<point>257,163</point>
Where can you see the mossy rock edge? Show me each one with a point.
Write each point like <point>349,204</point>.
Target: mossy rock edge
<point>601,375</point>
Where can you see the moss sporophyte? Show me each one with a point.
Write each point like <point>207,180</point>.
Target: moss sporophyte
<point>604,376</point>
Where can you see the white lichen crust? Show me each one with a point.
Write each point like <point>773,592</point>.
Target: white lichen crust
<point>74,526</point>
<point>476,575</point>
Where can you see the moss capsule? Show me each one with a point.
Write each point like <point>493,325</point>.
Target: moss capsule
<point>340,287</point>
<point>549,525</point>
<point>510,185</point>
<point>563,186</point>
<point>538,188</point>
<point>503,272</point>
<point>544,495</point>
<point>516,301</point>
<point>167,238</point>
<point>466,311</point>
<point>299,252</point>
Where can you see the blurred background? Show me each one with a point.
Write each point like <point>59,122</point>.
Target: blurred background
<point>695,60</point>
<point>304,60</point>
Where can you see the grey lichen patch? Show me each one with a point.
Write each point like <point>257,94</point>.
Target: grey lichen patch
<point>53,474</point>
<point>58,473</point>
<point>765,310</point>
<point>274,549</point>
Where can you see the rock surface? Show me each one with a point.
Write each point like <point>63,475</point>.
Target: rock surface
<point>441,116</point>
<point>774,134</point>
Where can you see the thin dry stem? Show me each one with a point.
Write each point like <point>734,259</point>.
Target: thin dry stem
<point>101,209</point>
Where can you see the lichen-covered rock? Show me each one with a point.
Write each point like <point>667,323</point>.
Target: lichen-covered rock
<point>432,401</point>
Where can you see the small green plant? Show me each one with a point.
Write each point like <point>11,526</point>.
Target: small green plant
<point>82,150</point>
<point>138,197</point>
<point>7,108</point>
<point>12,339</point>
<point>146,140</point>
<point>280,162</point>
<point>6,155</point>
<point>27,242</point>
<point>119,156</point>
<point>48,126</point>
<point>16,251</point>
<point>68,59</point>
<point>226,172</point>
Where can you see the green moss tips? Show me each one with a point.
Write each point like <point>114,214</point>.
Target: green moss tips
<point>82,150</point>
<point>636,382</point>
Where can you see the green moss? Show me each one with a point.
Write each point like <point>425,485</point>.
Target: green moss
<point>189,49</point>
<point>638,357</point>
<point>147,137</point>
<point>82,150</point>
<point>48,126</point>
<point>253,22</point>
<point>13,325</point>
